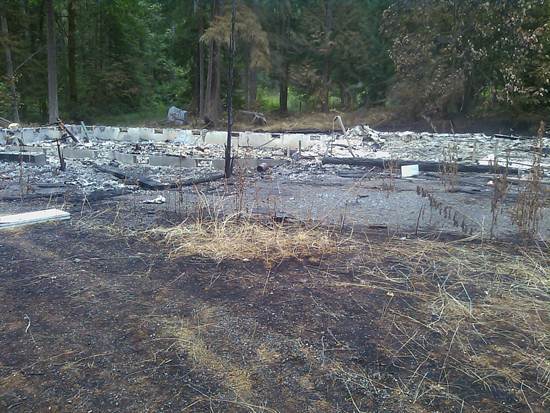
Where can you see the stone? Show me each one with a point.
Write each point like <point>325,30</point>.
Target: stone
<point>177,116</point>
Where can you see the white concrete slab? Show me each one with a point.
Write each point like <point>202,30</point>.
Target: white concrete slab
<point>35,217</point>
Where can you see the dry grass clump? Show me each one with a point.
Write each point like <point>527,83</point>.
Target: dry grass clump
<point>476,321</point>
<point>247,240</point>
<point>527,213</point>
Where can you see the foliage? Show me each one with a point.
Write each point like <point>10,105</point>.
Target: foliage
<point>429,58</point>
<point>451,56</point>
<point>4,97</point>
<point>248,30</point>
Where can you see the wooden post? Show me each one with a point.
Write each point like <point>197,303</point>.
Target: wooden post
<point>62,164</point>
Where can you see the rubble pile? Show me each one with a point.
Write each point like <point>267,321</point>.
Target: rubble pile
<point>473,148</point>
<point>189,156</point>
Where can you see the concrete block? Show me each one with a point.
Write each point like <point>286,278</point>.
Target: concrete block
<point>254,139</point>
<point>106,133</point>
<point>273,162</point>
<point>34,158</point>
<point>76,130</point>
<point>12,136</point>
<point>409,170</point>
<point>175,161</point>
<point>245,164</point>
<point>31,135</point>
<point>170,135</point>
<point>126,158</point>
<point>293,140</point>
<point>31,149</point>
<point>77,153</point>
<point>157,135</point>
<point>188,138</point>
<point>122,134</point>
<point>220,138</point>
<point>253,163</point>
<point>215,138</point>
<point>136,135</point>
<point>148,135</point>
<point>217,164</point>
<point>132,135</point>
<point>46,134</point>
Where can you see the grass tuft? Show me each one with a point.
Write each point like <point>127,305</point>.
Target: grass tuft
<point>247,240</point>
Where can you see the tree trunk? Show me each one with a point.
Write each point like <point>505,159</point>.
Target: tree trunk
<point>9,68</point>
<point>252,88</point>
<point>283,90</point>
<point>24,7</point>
<point>212,101</point>
<point>212,104</point>
<point>198,70</point>
<point>345,97</point>
<point>53,108</point>
<point>201,70</point>
<point>327,61</point>
<point>212,108</point>
<point>71,51</point>
<point>245,73</point>
<point>195,98</point>
<point>209,78</point>
<point>216,91</point>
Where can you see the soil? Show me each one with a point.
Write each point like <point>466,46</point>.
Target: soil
<point>95,316</point>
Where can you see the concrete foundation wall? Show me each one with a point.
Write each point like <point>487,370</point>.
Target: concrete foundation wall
<point>28,157</point>
<point>104,133</point>
<point>176,161</point>
<point>127,158</point>
<point>31,136</point>
<point>77,153</point>
<point>31,149</point>
<point>189,138</point>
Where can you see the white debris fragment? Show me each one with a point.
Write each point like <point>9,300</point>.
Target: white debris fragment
<point>157,201</point>
<point>409,170</point>
<point>35,217</point>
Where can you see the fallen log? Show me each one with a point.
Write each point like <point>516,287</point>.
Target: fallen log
<point>424,166</point>
<point>133,179</point>
<point>148,183</point>
<point>257,118</point>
